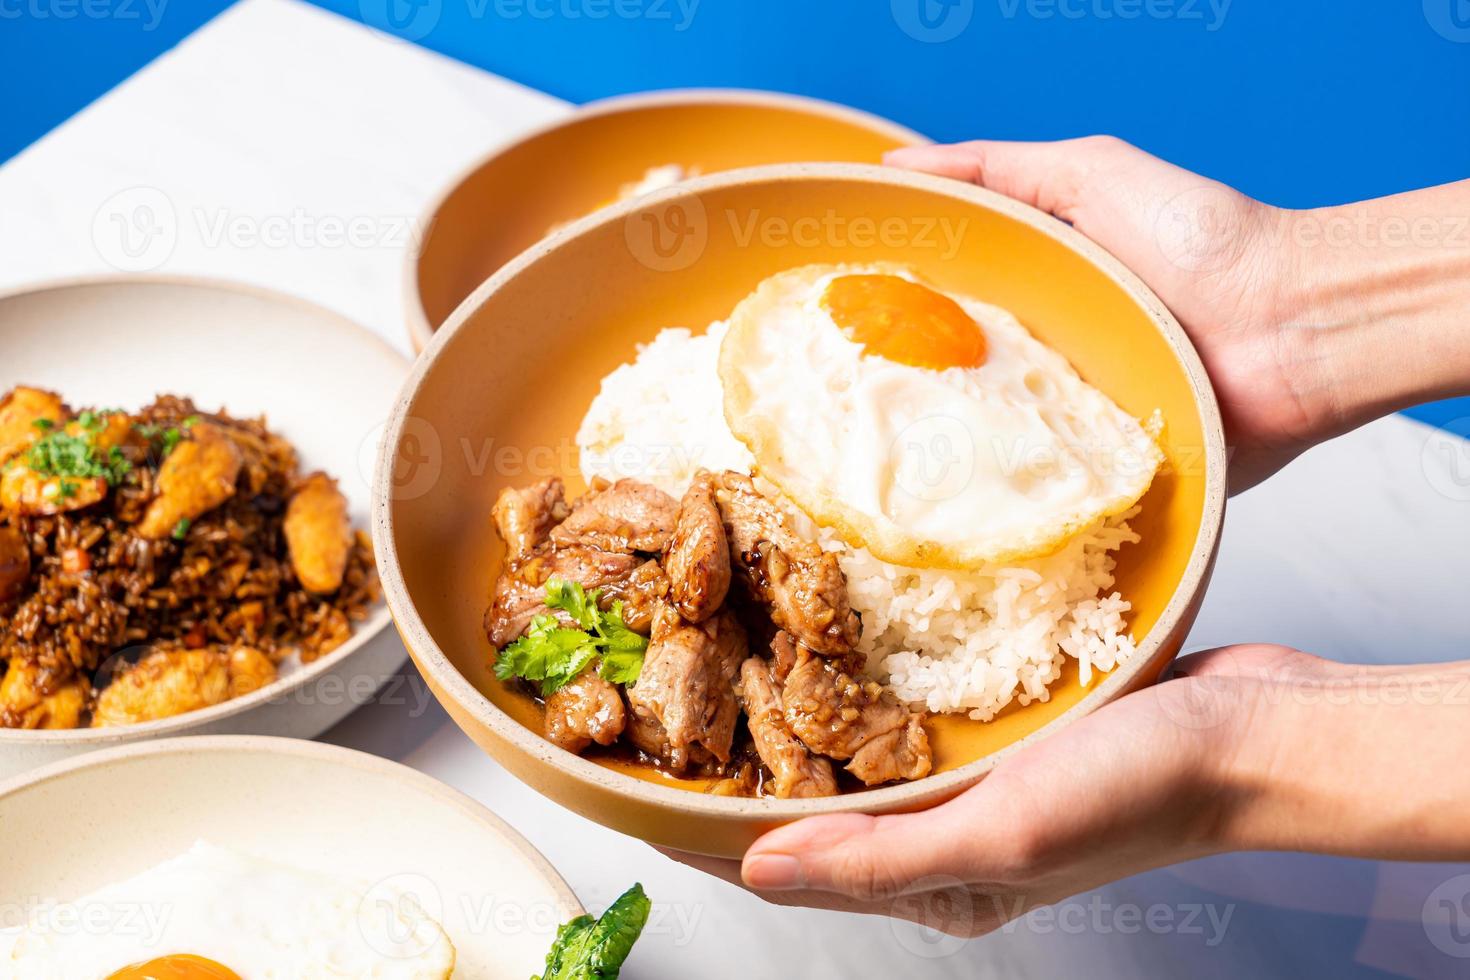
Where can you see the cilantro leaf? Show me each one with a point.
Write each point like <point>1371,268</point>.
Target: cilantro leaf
<point>622,656</point>
<point>588,949</point>
<point>553,655</point>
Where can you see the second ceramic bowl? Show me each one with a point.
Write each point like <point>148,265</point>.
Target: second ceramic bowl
<point>497,398</point>
<point>513,197</point>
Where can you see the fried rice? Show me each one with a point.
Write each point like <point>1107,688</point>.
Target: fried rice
<point>99,595</point>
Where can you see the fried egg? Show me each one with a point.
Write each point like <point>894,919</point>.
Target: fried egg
<point>217,914</point>
<point>931,428</point>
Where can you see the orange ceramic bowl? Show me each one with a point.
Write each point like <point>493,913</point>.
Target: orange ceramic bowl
<point>497,398</point>
<point>512,198</point>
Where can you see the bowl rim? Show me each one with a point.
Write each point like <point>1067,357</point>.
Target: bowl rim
<point>437,665</point>
<point>420,331</point>
<point>306,749</point>
<point>369,630</point>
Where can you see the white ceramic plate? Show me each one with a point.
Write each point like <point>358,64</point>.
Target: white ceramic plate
<point>323,382</point>
<point>91,821</point>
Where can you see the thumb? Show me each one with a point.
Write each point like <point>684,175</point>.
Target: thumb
<point>864,857</point>
<point>1130,202</point>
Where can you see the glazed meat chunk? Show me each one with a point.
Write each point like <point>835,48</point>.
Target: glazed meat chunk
<point>519,595</point>
<point>623,516</point>
<point>698,557</point>
<point>524,517</point>
<point>795,772</point>
<point>197,477</point>
<point>640,594</point>
<point>686,684</point>
<point>802,586</point>
<point>586,709</point>
<point>848,716</point>
<point>318,534</point>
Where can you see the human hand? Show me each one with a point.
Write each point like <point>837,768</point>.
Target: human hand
<point>1244,749</point>
<point>1305,333</point>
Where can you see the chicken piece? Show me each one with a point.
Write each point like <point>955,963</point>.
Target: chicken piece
<point>318,534</point>
<point>20,409</point>
<point>520,592</point>
<point>250,669</point>
<point>15,562</point>
<point>687,680</point>
<point>698,556</point>
<point>647,735</point>
<point>795,772</point>
<point>525,517</point>
<point>640,593</point>
<point>173,681</point>
<point>587,709</point>
<point>197,477</point>
<point>25,491</point>
<point>625,516</point>
<point>802,585</point>
<point>28,699</point>
<point>849,716</point>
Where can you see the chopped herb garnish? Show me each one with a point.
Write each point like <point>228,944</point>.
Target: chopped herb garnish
<point>171,437</point>
<point>43,424</point>
<point>182,528</point>
<point>192,421</point>
<point>68,489</point>
<point>553,655</point>
<point>59,453</point>
<point>91,421</point>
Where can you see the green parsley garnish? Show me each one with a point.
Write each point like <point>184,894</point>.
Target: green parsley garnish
<point>554,655</point>
<point>595,949</point>
<point>59,453</point>
<point>181,528</point>
<point>192,421</point>
<point>43,424</point>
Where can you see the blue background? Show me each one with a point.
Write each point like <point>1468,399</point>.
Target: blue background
<point>1298,102</point>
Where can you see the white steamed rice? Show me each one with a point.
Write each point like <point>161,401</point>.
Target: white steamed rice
<point>950,641</point>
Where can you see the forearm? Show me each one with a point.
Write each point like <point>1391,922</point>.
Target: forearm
<point>1378,303</point>
<point>1363,761</point>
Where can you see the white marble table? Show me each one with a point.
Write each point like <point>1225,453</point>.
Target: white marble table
<point>251,139</point>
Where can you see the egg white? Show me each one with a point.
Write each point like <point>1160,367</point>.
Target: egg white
<point>264,921</point>
<point>926,468</point>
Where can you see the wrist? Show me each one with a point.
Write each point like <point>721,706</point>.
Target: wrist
<point>1351,760</point>
<point>1373,314</point>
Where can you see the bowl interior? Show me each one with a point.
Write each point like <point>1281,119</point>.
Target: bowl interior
<point>321,381</point>
<point>503,391</point>
<point>113,815</point>
<point>575,167</point>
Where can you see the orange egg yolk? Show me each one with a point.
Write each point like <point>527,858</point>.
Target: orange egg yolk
<point>902,321</point>
<point>177,966</point>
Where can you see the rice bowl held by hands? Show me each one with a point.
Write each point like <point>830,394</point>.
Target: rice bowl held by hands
<point>841,419</point>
